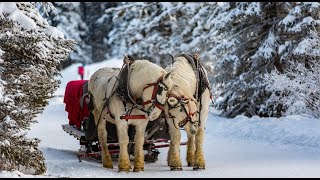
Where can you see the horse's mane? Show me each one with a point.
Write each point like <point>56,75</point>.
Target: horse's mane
<point>145,67</point>
<point>182,76</point>
<point>144,72</point>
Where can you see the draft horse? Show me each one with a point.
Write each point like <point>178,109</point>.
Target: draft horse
<point>187,107</point>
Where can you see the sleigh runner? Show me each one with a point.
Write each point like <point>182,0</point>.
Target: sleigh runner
<point>82,127</point>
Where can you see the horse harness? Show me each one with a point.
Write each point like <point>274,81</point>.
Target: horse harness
<point>123,91</point>
<point>158,87</point>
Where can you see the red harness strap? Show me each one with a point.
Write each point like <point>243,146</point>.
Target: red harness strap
<point>153,97</point>
<point>152,100</point>
<point>190,113</point>
<point>133,117</point>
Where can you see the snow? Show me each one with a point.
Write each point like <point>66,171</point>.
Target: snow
<point>53,32</point>
<point>1,90</point>
<point>237,147</point>
<point>16,15</point>
<point>28,23</point>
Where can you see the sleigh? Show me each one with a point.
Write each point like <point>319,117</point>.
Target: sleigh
<point>82,127</point>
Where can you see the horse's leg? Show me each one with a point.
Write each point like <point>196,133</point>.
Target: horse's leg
<point>174,150</point>
<point>169,151</point>
<point>168,156</point>
<point>138,146</point>
<point>123,139</point>
<point>102,135</point>
<point>199,156</point>
<point>190,149</point>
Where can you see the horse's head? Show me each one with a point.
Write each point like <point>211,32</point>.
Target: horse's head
<point>183,112</point>
<point>154,98</point>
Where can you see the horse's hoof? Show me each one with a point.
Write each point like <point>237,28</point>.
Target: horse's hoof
<point>190,164</point>
<point>108,166</point>
<point>124,170</point>
<point>177,168</point>
<point>138,169</point>
<point>196,168</point>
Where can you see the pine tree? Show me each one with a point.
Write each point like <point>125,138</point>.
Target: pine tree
<point>253,39</point>
<point>154,30</point>
<point>296,88</point>
<point>99,26</point>
<point>83,22</point>
<point>30,51</point>
<point>245,47</point>
<point>69,19</point>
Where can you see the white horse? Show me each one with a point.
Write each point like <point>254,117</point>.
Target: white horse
<point>182,111</point>
<point>109,106</point>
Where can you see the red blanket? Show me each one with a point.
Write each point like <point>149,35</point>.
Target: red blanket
<point>72,95</point>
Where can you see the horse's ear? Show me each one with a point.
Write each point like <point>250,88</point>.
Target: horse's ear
<point>196,56</point>
<point>128,59</point>
<point>167,75</point>
<point>131,58</point>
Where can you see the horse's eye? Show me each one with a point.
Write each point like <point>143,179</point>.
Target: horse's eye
<point>160,89</point>
<point>180,109</point>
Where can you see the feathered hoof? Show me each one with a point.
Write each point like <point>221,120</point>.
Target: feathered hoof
<point>177,168</point>
<point>196,168</point>
<point>109,166</point>
<point>190,164</point>
<point>138,169</point>
<point>124,170</point>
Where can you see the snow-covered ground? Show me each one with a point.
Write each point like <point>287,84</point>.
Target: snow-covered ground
<point>238,147</point>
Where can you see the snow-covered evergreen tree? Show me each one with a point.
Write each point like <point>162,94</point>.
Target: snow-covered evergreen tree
<point>68,18</point>
<point>253,38</point>
<point>154,30</point>
<point>98,29</point>
<point>296,91</point>
<point>296,88</point>
<point>30,51</point>
<point>81,21</point>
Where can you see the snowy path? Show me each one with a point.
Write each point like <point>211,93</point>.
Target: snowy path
<point>239,147</point>
<point>226,154</point>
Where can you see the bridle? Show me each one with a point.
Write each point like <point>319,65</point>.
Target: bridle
<point>183,102</point>
<point>158,87</point>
